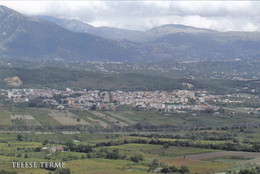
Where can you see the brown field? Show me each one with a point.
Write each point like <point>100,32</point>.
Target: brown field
<point>67,118</point>
<point>108,118</point>
<point>18,117</point>
<point>29,120</point>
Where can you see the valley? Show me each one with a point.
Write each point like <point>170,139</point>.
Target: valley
<point>170,98</point>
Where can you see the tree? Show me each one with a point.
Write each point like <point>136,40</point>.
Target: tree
<point>184,169</point>
<point>19,137</point>
<point>70,144</point>
<point>173,169</point>
<point>155,162</point>
<point>26,156</point>
<point>136,158</point>
<point>165,169</point>
<point>113,155</point>
<point>166,146</point>
<point>45,142</point>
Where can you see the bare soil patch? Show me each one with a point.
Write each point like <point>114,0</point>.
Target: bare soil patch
<point>19,117</point>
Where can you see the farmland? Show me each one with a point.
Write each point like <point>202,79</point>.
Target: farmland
<point>198,160</point>
<point>127,141</point>
<point>4,116</point>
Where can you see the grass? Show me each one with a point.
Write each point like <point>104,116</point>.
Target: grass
<point>42,117</point>
<point>105,166</point>
<point>120,117</point>
<point>150,151</point>
<point>4,116</point>
<point>171,156</point>
<point>200,166</point>
<point>195,141</point>
<point>155,118</point>
<point>85,116</point>
<point>130,117</point>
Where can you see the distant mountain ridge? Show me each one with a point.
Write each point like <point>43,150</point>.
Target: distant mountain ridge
<point>26,37</point>
<point>32,38</point>
<point>76,25</point>
<point>180,42</point>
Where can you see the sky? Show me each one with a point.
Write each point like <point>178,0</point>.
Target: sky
<point>143,15</point>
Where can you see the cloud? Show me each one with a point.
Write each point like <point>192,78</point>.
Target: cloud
<point>142,15</point>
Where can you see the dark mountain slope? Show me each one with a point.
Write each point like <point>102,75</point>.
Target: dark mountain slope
<point>31,38</point>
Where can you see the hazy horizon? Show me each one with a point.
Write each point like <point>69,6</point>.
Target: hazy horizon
<point>143,15</point>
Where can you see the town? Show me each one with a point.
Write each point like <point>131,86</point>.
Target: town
<point>174,101</point>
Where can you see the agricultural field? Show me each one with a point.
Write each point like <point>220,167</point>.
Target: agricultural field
<point>127,141</point>
<point>30,116</point>
<point>91,118</point>
<point>67,118</point>
<point>27,147</point>
<point>154,118</point>
<point>4,116</point>
<point>108,118</point>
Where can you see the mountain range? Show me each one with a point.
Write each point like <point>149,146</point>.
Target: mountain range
<point>46,37</point>
<point>77,25</point>
<point>27,37</point>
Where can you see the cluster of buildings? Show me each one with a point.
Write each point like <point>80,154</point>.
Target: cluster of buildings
<point>163,100</point>
<point>52,149</point>
<point>109,100</point>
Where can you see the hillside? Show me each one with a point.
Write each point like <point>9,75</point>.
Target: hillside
<point>178,42</point>
<point>76,25</point>
<point>26,37</point>
<point>62,78</point>
<point>30,38</point>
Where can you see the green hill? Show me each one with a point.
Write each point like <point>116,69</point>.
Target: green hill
<point>60,78</point>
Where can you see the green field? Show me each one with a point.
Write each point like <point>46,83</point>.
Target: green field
<point>4,116</point>
<point>126,117</point>
<point>12,149</point>
<point>199,142</point>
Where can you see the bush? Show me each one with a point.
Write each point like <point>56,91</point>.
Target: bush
<point>136,158</point>
<point>113,155</point>
<point>166,146</point>
<point>173,169</point>
<point>45,142</point>
<point>19,137</point>
<point>184,169</point>
<point>165,170</point>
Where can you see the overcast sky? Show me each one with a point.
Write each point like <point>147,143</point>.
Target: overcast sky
<point>142,15</point>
